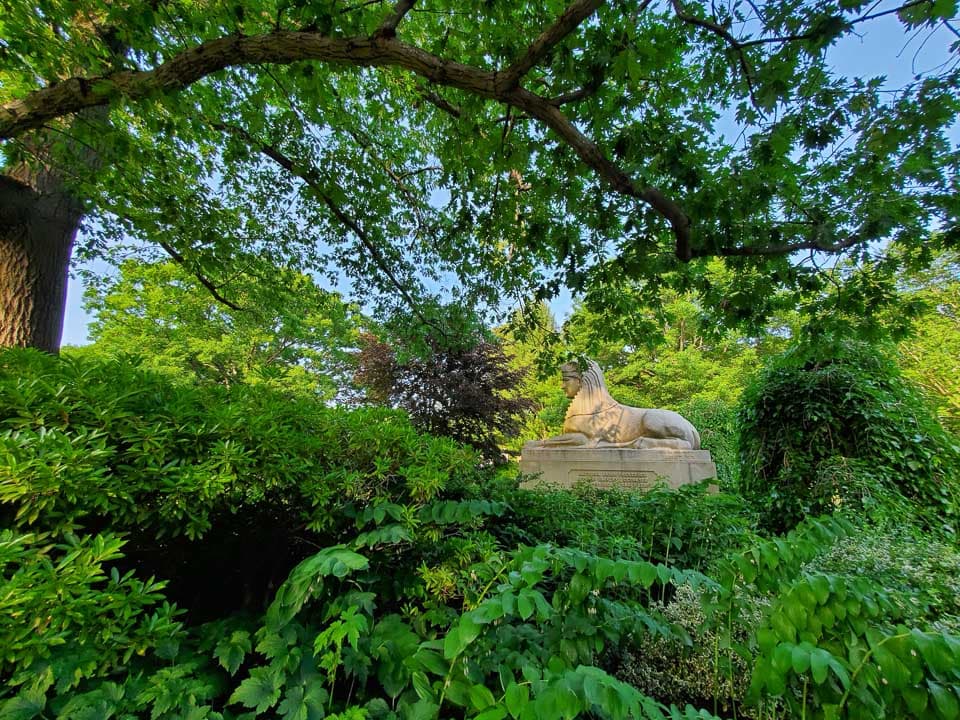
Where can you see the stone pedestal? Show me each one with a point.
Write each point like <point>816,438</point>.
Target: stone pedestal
<point>620,468</point>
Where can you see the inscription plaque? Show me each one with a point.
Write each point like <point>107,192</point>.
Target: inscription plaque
<point>622,479</point>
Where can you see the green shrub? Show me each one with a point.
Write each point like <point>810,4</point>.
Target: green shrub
<point>101,444</point>
<point>716,421</point>
<point>411,609</point>
<point>837,426</point>
<point>60,606</point>
<point>688,527</point>
<point>830,644</point>
<point>690,668</point>
<point>919,573</point>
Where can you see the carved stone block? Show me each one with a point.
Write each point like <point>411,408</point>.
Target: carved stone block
<point>621,468</point>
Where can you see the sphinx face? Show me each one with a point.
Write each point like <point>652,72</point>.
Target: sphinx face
<point>571,385</point>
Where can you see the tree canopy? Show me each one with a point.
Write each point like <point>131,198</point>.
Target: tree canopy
<point>287,332</point>
<point>505,149</point>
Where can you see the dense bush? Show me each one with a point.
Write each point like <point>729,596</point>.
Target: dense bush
<point>468,392</point>
<point>835,425</point>
<point>688,668</point>
<point>920,574</point>
<point>258,475</point>
<point>828,644</point>
<point>400,582</point>
<point>688,527</point>
<point>416,610</point>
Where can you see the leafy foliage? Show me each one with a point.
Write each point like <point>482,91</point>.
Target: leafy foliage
<point>833,646</point>
<point>62,609</point>
<point>287,333</point>
<point>467,391</point>
<point>416,611</point>
<point>407,585</point>
<point>103,444</point>
<point>930,356</point>
<point>668,354</point>
<point>830,425</point>
<point>690,527</point>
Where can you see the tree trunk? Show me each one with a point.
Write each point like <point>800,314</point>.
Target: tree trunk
<point>39,219</point>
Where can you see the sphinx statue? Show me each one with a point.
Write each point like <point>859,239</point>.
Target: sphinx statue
<point>595,420</point>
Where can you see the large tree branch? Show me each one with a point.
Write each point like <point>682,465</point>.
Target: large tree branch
<point>388,28</point>
<point>189,66</point>
<point>576,13</point>
<point>588,151</point>
<point>284,47</point>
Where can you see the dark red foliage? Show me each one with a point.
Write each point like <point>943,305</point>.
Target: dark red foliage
<point>468,394</point>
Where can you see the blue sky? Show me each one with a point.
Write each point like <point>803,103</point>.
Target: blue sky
<point>883,48</point>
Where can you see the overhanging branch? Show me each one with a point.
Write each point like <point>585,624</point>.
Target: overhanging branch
<point>569,20</point>
<point>311,177</point>
<point>284,47</point>
<point>201,278</point>
<point>781,248</point>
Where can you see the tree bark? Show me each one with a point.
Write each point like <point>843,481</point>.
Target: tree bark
<point>39,219</point>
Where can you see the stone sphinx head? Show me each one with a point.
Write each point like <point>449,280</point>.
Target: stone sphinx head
<point>570,374</point>
<point>587,385</point>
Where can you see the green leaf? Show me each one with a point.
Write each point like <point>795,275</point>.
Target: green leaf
<point>294,705</point>
<point>819,664</point>
<point>25,706</point>
<point>460,636</point>
<point>481,697</point>
<point>800,658</point>
<point>421,710</point>
<point>643,573</point>
<point>517,697</point>
<point>231,651</point>
<point>260,691</point>
<point>916,698</point>
<point>432,661</point>
<point>458,692</point>
<point>524,605</point>
<point>891,669</point>
<point>451,643</point>
<point>423,687</point>
<point>945,700</point>
<point>495,713</point>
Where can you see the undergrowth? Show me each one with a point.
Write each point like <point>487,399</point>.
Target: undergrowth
<point>337,564</point>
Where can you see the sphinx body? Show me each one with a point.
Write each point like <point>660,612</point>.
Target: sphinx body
<point>595,419</point>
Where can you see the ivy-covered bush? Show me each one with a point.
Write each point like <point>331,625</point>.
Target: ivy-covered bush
<point>835,425</point>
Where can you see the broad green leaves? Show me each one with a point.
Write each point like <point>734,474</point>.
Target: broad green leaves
<point>306,581</point>
<point>260,691</point>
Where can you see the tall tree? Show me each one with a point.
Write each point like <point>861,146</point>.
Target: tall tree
<point>286,332</point>
<point>524,145</point>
